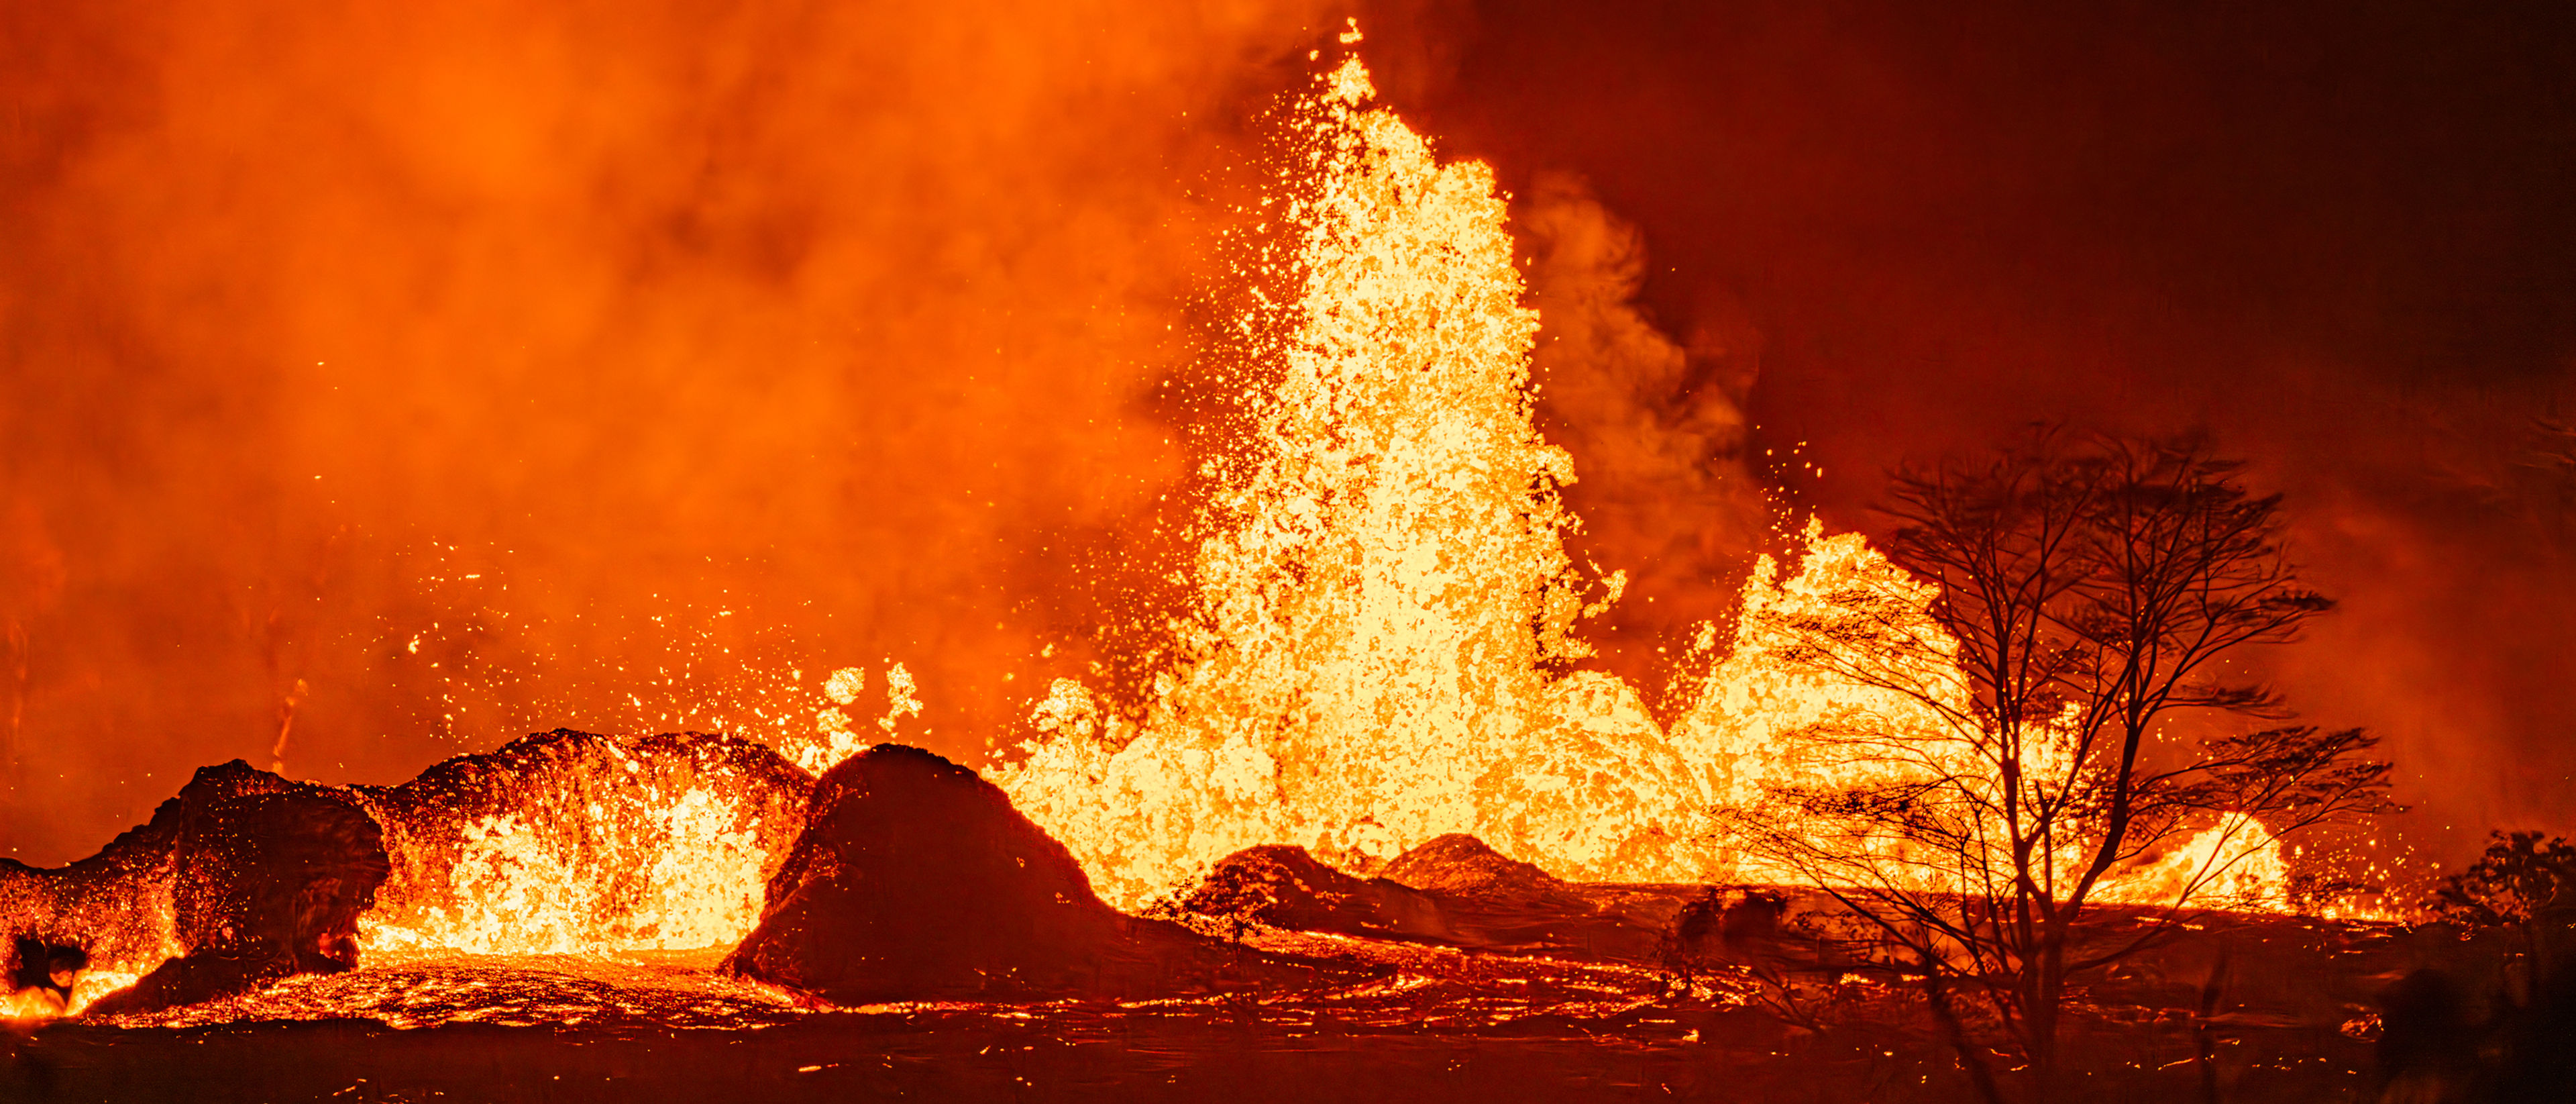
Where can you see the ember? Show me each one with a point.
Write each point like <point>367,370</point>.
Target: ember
<point>1274,700</point>
<point>572,843</point>
<point>1384,612</point>
<point>1385,603</point>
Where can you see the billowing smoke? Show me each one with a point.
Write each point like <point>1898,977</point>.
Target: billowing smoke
<point>381,382</point>
<point>1657,430</point>
<point>2446,523</point>
<point>2337,238</point>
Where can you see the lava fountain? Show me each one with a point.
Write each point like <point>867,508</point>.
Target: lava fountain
<point>1381,651</point>
<point>1384,597</point>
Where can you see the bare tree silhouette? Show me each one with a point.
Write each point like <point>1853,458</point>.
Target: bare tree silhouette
<point>2090,589</point>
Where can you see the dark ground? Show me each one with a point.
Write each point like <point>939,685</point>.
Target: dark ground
<point>1084,1056</point>
<point>1425,1024</point>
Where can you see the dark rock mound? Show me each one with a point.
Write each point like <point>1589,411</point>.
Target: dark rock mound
<point>116,910</point>
<point>268,885</point>
<point>1452,890</point>
<point>915,879</point>
<point>1462,865</point>
<point>145,848</point>
<point>1284,887</point>
<point>1501,903</point>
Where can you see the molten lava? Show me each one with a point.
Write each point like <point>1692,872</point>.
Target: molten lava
<point>559,843</point>
<point>1386,610</point>
<point>572,843</point>
<point>1379,655</point>
<point>1385,591</point>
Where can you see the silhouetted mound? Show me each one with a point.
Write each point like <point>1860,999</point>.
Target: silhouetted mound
<point>1284,887</point>
<point>916,880</point>
<point>269,885</point>
<point>1452,890</point>
<point>116,911</point>
<point>617,841</point>
<point>1461,865</point>
<point>1494,902</point>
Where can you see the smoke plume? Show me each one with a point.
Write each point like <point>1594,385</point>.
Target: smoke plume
<point>380,382</point>
<point>1657,430</point>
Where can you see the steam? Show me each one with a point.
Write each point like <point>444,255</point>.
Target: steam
<point>379,383</point>
<point>1657,431</point>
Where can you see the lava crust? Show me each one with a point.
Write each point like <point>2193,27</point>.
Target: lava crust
<point>916,880</point>
<point>269,885</point>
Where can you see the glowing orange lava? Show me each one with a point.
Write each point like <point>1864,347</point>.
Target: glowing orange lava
<point>1385,606</point>
<point>1379,654</point>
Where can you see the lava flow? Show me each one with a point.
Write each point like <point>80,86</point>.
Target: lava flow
<point>1382,654</point>
<point>1386,610</point>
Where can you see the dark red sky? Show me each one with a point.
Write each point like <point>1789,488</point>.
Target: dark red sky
<point>614,350</point>
<point>2342,236</point>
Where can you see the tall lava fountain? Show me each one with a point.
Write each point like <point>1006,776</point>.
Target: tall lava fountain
<point>1381,651</point>
<point>1385,606</point>
<point>1386,615</point>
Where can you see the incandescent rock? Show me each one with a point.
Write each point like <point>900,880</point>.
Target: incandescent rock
<point>621,841</point>
<point>915,879</point>
<point>559,838</point>
<point>267,885</point>
<point>1285,887</point>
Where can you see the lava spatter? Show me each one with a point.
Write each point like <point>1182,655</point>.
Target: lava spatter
<point>570,842</point>
<point>1383,641</point>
